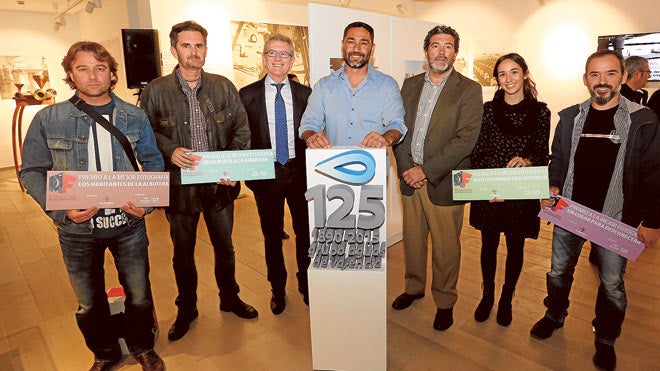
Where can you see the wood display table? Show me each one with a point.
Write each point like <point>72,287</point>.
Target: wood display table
<point>17,127</point>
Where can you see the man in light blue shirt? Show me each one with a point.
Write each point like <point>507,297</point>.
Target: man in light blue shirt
<point>355,105</point>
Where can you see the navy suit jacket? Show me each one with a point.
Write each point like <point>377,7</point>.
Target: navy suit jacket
<point>253,97</point>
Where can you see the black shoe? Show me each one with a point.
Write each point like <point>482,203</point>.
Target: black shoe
<point>486,304</point>
<point>605,357</point>
<point>181,324</point>
<point>444,318</point>
<point>504,314</point>
<point>277,303</point>
<point>544,328</point>
<point>150,361</point>
<point>404,300</point>
<point>105,364</point>
<point>239,308</point>
<point>305,292</point>
<point>482,312</point>
<point>285,236</point>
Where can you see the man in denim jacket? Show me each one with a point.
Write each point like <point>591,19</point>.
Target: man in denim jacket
<point>61,137</point>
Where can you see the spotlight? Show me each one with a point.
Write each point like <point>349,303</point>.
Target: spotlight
<point>59,22</point>
<point>89,8</point>
<point>97,3</point>
<point>401,8</point>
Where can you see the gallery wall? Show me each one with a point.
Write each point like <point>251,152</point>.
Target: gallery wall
<point>555,38</point>
<point>32,34</point>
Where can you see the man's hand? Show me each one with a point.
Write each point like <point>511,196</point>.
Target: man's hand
<point>548,202</point>
<point>136,211</point>
<point>226,182</point>
<point>182,159</point>
<point>648,236</point>
<point>414,177</point>
<point>81,216</point>
<point>316,140</point>
<point>374,140</point>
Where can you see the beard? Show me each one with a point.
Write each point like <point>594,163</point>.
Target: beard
<point>437,69</point>
<point>602,100</point>
<point>361,63</point>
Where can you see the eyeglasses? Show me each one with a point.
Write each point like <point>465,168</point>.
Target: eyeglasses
<point>646,71</point>
<point>282,53</point>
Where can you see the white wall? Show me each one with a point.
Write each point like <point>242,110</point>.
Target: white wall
<point>32,34</point>
<point>215,15</point>
<point>555,39</point>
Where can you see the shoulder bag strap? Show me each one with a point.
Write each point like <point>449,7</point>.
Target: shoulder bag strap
<point>81,105</point>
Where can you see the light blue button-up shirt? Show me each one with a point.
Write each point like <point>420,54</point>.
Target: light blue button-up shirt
<point>347,115</point>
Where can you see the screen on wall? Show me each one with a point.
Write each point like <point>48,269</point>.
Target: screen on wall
<point>645,45</point>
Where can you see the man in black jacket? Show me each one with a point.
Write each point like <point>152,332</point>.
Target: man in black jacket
<point>275,105</point>
<point>194,111</point>
<point>613,169</point>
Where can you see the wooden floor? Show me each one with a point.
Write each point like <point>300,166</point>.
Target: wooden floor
<point>38,329</point>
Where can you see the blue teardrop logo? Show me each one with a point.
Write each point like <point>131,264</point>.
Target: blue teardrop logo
<point>353,167</point>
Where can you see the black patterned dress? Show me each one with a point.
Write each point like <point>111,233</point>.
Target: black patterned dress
<point>508,131</point>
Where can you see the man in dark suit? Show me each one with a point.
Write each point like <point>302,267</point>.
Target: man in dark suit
<point>443,118</point>
<point>638,75</point>
<point>274,106</point>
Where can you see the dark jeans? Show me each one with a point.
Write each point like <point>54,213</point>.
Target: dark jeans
<point>83,256</point>
<point>183,230</point>
<point>289,184</point>
<point>611,301</point>
<point>514,257</point>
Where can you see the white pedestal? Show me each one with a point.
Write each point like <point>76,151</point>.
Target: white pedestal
<point>348,315</point>
<point>347,302</point>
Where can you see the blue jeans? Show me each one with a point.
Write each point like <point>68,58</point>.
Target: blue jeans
<point>183,230</point>
<point>83,257</point>
<point>611,301</point>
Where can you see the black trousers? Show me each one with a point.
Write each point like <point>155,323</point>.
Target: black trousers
<point>289,185</point>
<point>183,230</point>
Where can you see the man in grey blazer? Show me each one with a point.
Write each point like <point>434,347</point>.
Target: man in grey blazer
<point>443,113</point>
<point>276,128</point>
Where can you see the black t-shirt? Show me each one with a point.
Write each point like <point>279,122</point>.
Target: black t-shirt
<point>595,158</point>
<point>107,223</point>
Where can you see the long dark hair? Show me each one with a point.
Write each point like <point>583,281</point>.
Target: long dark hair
<point>529,86</point>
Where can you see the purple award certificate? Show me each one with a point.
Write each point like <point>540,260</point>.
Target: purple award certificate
<point>600,229</point>
<point>68,190</point>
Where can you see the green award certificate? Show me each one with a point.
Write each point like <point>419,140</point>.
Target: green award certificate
<point>515,183</point>
<point>210,167</point>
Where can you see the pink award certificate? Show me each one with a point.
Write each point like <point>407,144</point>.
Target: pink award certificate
<point>68,190</point>
<point>600,229</point>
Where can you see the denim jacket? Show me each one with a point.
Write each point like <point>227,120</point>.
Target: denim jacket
<point>57,139</point>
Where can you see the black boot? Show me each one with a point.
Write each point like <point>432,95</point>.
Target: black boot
<point>504,315</point>
<point>486,304</point>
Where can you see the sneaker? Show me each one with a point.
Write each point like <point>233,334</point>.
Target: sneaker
<point>544,328</point>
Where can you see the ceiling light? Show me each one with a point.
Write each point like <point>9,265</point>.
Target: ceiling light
<point>89,8</point>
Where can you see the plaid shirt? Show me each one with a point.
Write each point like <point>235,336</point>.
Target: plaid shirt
<point>198,139</point>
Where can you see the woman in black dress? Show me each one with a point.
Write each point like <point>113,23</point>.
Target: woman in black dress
<point>514,133</point>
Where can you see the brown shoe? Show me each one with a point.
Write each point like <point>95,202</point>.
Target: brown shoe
<point>105,364</point>
<point>150,361</point>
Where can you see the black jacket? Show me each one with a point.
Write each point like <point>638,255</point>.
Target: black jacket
<point>254,100</point>
<point>641,171</point>
<point>226,128</point>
